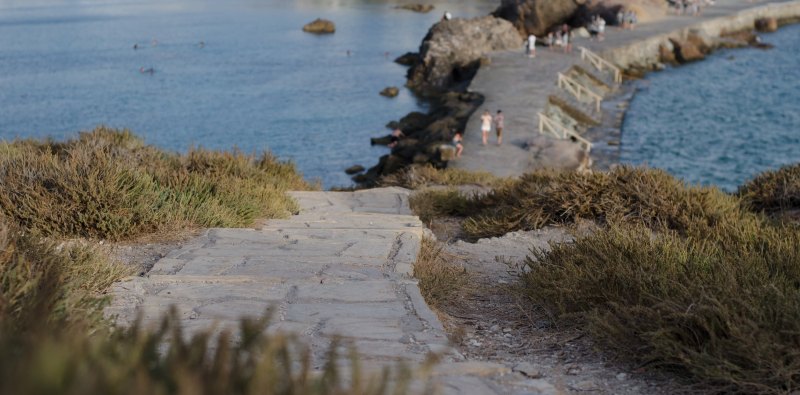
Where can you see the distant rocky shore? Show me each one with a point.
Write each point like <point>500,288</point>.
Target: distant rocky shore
<point>453,51</point>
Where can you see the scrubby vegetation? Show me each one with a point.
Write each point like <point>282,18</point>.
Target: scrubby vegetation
<point>55,342</point>
<point>773,191</point>
<point>418,176</point>
<point>107,184</point>
<point>441,279</point>
<point>687,279</point>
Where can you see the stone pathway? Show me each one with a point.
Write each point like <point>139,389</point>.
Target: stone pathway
<point>341,267</point>
<point>520,86</point>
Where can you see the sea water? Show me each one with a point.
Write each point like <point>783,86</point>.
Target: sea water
<point>235,73</point>
<point>723,120</point>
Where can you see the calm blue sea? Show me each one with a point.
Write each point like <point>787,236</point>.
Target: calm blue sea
<point>720,121</point>
<point>258,82</point>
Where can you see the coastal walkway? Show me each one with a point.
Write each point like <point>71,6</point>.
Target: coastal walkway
<point>520,87</point>
<point>340,268</point>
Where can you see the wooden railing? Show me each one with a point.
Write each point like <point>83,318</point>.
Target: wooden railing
<point>555,128</point>
<point>601,64</point>
<point>579,91</point>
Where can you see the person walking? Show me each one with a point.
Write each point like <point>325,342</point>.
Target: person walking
<point>486,126</point>
<point>531,46</point>
<point>566,38</point>
<point>499,124</point>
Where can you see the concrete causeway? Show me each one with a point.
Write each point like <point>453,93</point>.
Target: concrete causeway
<point>520,86</point>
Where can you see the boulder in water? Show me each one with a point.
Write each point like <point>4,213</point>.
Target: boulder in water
<point>390,91</point>
<point>320,26</point>
<point>686,51</point>
<point>408,59</point>
<point>421,8</point>
<point>354,169</point>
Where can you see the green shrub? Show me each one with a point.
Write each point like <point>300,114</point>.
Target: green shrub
<point>107,184</point>
<point>773,191</point>
<point>726,311</point>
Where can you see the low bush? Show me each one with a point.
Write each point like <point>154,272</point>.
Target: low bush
<point>433,203</point>
<point>42,283</point>
<point>108,184</point>
<point>415,177</point>
<point>773,191</point>
<point>725,312</point>
<point>441,280</point>
<point>648,197</point>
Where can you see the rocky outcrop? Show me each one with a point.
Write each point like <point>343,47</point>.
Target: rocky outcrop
<point>408,59</point>
<point>422,8</point>
<point>320,26</point>
<point>390,91</point>
<point>537,16</point>
<point>451,52</point>
<point>766,25</point>
<point>425,133</point>
<point>354,169</point>
<point>685,51</point>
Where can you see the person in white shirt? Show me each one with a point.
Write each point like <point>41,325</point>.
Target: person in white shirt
<point>531,46</point>
<point>486,126</point>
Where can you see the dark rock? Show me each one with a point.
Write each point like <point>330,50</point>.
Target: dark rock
<point>408,59</point>
<point>390,91</point>
<point>354,169</point>
<point>413,121</point>
<point>360,178</point>
<point>685,51</point>
<point>745,36</point>
<point>766,25</point>
<point>385,140</point>
<point>320,26</point>
<point>537,16</point>
<point>450,53</point>
<point>423,8</point>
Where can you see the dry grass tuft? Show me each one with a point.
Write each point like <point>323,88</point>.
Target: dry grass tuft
<point>434,203</point>
<point>107,184</point>
<point>629,195</point>
<point>723,311</point>
<point>416,177</point>
<point>441,280</point>
<point>773,191</point>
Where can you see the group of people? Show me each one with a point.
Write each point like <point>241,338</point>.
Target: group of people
<point>689,7</point>
<point>487,122</point>
<point>627,19</point>
<point>560,38</point>
<point>597,28</point>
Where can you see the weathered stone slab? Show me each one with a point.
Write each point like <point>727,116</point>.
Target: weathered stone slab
<point>362,291</point>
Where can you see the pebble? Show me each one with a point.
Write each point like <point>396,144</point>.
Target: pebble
<point>622,376</point>
<point>495,328</point>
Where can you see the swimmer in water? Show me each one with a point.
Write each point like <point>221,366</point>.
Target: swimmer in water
<point>202,44</point>
<point>349,53</point>
<point>135,46</point>
<point>148,70</point>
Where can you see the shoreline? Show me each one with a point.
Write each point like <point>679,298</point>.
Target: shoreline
<point>617,104</point>
<point>635,51</point>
